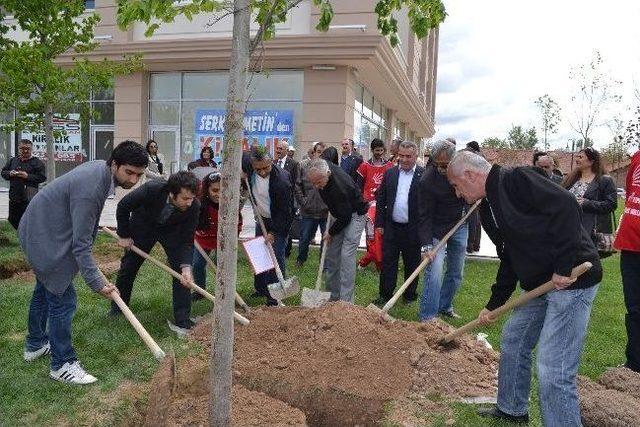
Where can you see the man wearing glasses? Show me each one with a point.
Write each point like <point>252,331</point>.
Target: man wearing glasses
<point>24,172</point>
<point>440,210</point>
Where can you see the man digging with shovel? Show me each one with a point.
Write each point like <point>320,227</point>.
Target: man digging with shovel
<point>537,231</point>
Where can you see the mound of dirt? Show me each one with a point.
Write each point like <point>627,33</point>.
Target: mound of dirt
<point>180,398</point>
<point>343,365</point>
<point>9,268</point>
<point>622,379</point>
<point>604,407</point>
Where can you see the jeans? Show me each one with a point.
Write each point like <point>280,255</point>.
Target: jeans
<point>262,280</point>
<point>630,269</point>
<point>340,261</point>
<point>439,289</point>
<point>199,268</point>
<point>57,311</point>
<point>308,227</point>
<point>557,323</point>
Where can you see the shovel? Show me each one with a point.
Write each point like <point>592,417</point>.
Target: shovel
<point>243,320</point>
<point>315,297</point>
<point>212,266</point>
<point>128,314</point>
<point>385,310</point>
<point>284,288</point>
<point>515,302</point>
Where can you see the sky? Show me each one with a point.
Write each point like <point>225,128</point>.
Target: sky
<point>497,56</point>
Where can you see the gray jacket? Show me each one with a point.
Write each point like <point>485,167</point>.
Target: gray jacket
<point>60,224</point>
<point>307,196</point>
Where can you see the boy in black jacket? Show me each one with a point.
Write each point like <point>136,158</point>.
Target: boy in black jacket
<point>537,231</point>
<point>165,212</point>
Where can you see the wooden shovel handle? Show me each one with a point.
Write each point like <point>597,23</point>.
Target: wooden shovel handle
<point>243,320</point>
<point>517,302</point>
<point>426,261</point>
<point>133,320</point>
<point>212,266</point>
<point>272,254</point>
<point>323,255</point>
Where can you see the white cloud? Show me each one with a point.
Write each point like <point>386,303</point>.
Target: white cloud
<point>497,56</point>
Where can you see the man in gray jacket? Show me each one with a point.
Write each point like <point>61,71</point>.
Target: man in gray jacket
<point>56,234</point>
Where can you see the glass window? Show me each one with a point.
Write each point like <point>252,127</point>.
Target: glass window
<point>281,85</point>
<point>165,113</point>
<point>103,95</point>
<point>165,86</point>
<point>104,113</point>
<point>367,104</point>
<point>90,4</point>
<point>205,85</point>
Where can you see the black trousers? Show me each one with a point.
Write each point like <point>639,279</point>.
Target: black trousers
<point>399,239</point>
<point>475,232</point>
<point>630,269</point>
<point>16,210</point>
<point>131,262</point>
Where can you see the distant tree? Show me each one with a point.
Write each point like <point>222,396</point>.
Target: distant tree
<point>494,142</point>
<point>549,117</point>
<point>520,139</point>
<point>595,92</point>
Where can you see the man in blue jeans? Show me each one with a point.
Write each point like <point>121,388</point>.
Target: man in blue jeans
<point>271,190</point>
<point>56,234</point>
<point>536,227</point>
<point>440,210</point>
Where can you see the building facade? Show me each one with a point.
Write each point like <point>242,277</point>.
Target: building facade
<point>307,86</point>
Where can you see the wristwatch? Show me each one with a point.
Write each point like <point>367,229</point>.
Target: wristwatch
<point>426,248</point>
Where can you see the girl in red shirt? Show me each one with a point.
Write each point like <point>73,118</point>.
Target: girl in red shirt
<point>207,231</point>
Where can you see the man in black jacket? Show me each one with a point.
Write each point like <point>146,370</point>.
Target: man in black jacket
<point>345,203</point>
<point>440,210</point>
<point>397,219</point>
<point>24,173</point>
<point>271,189</point>
<point>536,227</point>
<point>288,163</point>
<point>350,160</point>
<point>166,212</point>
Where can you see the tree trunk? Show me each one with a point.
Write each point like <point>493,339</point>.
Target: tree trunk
<point>221,359</point>
<point>48,132</point>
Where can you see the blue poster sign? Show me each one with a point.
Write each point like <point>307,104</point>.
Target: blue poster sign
<point>262,127</point>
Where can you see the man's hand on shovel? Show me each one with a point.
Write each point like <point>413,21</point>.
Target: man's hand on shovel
<point>484,317</point>
<point>327,237</point>
<point>107,290</point>
<point>125,242</point>
<point>187,277</point>
<point>561,282</point>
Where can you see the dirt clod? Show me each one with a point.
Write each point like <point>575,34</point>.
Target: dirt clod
<point>604,407</point>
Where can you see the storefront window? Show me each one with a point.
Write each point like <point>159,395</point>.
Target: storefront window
<point>193,106</point>
<point>369,121</point>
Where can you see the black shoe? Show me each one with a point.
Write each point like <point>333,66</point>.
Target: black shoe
<point>494,412</point>
<point>195,296</point>
<point>272,302</point>
<point>186,324</point>
<point>408,299</point>
<point>380,302</point>
<point>451,314</point>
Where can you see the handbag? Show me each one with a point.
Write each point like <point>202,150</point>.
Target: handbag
<point>604,241</point>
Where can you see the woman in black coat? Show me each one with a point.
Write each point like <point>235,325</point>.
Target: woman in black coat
<point>595,191</point>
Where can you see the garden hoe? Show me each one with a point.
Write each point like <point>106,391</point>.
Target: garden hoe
<point>283,288</point>
<point>128,314</point>
<point>511,304</point>
<point>384,311</point>
<point>243,320</point>
<point>315,297</point>
<point>212,266</point>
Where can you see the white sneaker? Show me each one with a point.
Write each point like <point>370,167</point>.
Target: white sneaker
<point>72,373</point>
<point>30,356</point>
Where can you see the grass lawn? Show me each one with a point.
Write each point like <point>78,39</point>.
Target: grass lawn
<point>111,350</point>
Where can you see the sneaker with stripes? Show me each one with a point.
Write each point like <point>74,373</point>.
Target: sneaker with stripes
<point>30,356</point>
<point>72,372</point>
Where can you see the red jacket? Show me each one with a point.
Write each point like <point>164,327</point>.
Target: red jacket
<point>207,237</point>
<point>628,237</point>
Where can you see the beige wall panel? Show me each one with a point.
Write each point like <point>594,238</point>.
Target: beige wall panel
<point>328,93</point>
<point>323,113</point>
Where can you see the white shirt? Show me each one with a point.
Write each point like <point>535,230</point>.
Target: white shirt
<point>261,194</point>
<point>401,205</point>
<point>282,161</point>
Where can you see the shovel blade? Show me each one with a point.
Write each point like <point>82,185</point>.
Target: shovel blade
<point>312,298</point>
<point>290,287</point>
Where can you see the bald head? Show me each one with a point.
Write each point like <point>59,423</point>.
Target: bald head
<point>546,163</point>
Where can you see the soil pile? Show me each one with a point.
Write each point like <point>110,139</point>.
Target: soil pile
<point>613,401</point>
<point>343,365</point>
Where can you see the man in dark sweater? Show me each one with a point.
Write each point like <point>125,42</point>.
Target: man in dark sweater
<point>165,212</point>
<point>24,173</point>
<point>440,210</point>
<point>345,203</point>
<point>536,227</point>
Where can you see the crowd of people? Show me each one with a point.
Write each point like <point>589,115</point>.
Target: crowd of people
<point>542,224</point>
